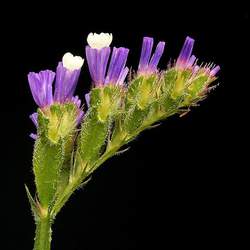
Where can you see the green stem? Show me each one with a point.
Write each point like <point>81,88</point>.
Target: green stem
<point>43,234</point>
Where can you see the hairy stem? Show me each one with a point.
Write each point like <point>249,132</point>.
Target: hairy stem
<point>43,234</point>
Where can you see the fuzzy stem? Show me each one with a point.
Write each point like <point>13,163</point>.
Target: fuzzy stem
<point>43,234</point>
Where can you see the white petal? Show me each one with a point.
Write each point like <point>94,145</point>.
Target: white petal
<point>71,62</point>
<point>99,41</point>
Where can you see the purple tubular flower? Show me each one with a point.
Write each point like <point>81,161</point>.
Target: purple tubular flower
<point>148,64</point>
<point>196,68</point>
<point>122,76</point>
<point>214,71</point>
<point>33,118</point>
<point>117,71</point>
<point>184,58</point>
<point>66,81</point>
<point>41,87</point>
<point>191,61</point>
<point>33,136</point>
<point>97,62</point>
<point>87,99</point>
<point>77,102</point>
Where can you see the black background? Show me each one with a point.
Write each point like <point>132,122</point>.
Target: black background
<point>178,185</point>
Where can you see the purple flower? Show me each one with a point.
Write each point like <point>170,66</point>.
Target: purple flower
<point>67,75</point>
<point>98,53</point>
<point>191,61</point>
<point>66,82</point>
<point>33,136</point>
<point>117,71</point>
<point>77,102</point>
<point>214,71</point>
<point>41,87</point>
<point>33,118</point>
<point>148,64</point>
<point>185,59</point>
<point>87,99</point>
<point>98,61</point>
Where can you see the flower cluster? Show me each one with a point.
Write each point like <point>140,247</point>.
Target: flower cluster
<point>65,154</point>
<point>41,85</point>
<point>188,61</point>
<point>107,66</point>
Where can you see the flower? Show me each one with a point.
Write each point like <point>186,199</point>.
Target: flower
<point>185,59</point>
<point>41,87</point>
<point>148,64</point>
<point>33,118</point>
<point>98,53</point>
<point>67,75</point>
<point>214,71</point>
<point>117,71</point>
<point>87,99</point>
<point>99,41</point>
<point>191,61</point>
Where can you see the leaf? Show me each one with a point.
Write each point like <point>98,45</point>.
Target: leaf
<point>92,137</point>
<point>33,204</point>
<point>134,118</point>
<point>47,162</point>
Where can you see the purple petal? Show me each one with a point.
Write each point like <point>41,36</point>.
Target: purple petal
<point>87,99</point>
<point>185,53</point>
<point>147,46</point>
<point>97,63</point>
<point>33,136</point>
<point>156,56</point>
<point>191,61</point>
<point>33,118</point>
<point>41,87</point>
<point>196,69</point>
<point>117,64</point>
<point>76,101</point>
<point>122,76</point>
<point>66,81</point>
<point>79,117</point>
<point>214,71</point>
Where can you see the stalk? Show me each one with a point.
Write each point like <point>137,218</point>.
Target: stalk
<point>43,234</point>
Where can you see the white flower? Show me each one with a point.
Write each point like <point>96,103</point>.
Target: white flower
<point>99,41</point>
<point>71,62</point>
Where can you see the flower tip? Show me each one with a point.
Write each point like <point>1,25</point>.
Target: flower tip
<point>189,39</point>
<point>33,136</point>
<point>214,71</point>
<point>71,62</point>
<point>99,41</point>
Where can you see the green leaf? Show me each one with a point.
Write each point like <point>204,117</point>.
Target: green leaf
<point>92,137</point>
<point>33,204</point>
<point>198,85</point>
<point>134,118</point>
<point>47,162</point>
